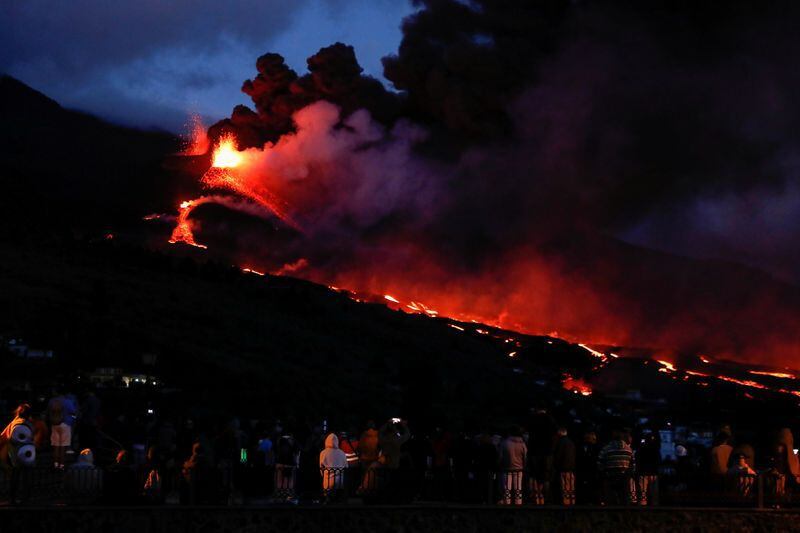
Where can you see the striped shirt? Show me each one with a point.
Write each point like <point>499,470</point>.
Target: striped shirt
<point>616,458</point>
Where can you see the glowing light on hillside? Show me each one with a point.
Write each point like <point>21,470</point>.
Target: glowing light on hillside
<point>783,375</point>
<point>666,366</point>
<point>595,353</point>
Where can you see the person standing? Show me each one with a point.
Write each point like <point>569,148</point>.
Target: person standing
<point>616,465</point>
<point>391,437</point>
<point>332,462</point>
<point>368,446</point>
<point>648,460</point>
<point>540,459</point>
<point>564,462</point>
<point>586,469</point>
<point>60,431</point>
<point>513,457</point>
<point>720,459</point>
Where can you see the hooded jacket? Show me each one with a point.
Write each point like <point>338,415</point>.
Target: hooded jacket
<point>331,461</point>
<point>332,456</point>
<point>513,453</point>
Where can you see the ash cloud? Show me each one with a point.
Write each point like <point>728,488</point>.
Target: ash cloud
<point>523,143</point>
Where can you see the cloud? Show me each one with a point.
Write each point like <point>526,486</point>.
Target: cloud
<point>183,55</point>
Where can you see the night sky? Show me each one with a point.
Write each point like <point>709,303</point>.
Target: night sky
<point>150,63</point>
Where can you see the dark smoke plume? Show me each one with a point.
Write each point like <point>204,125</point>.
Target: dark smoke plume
<point>278,92</point>
<point>525,140</point>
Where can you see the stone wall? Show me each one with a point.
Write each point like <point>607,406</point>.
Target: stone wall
<point>387,519</point>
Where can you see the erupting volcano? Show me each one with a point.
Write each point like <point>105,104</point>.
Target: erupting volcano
<point>521,205</point>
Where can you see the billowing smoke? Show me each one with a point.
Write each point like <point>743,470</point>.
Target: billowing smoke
<point>524,143</point>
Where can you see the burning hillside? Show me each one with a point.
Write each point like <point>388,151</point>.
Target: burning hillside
<point>579,286</point>
<point>499,184</point>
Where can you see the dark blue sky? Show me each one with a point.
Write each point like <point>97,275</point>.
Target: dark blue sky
<point>150,63</point>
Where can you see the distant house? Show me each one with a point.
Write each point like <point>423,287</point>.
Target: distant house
<point>106,376</point>
<point>35,353</point>
<point>139,379</point>
<point>117,377</point>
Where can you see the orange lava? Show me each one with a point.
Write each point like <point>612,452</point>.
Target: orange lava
<point>577,385</point>
<point>197,142</point>
<point>183,227</point>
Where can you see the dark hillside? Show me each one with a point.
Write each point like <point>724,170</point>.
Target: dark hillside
<point>65,170</point>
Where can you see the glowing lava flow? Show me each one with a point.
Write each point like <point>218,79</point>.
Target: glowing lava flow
<point>183,227</point>
<point>231,170</point>
<point>221,175</point>
<point>577,385</point>
<point>782,375</point>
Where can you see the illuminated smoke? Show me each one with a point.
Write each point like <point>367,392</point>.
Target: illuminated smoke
<point>378,218</point>
<point>527,148</point>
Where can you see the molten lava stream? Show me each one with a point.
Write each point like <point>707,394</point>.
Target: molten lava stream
<point>183,228</point>
<point>222,175</point>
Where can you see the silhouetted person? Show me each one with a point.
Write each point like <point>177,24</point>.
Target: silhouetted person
<point>564,463</point>
<point>90,415</point>
<point>286,455</point>
<point>486,461</point>
<point>390,438</point>
<point>648,460</point>
<point>83,480</point>
<point>784,471</point>
<point>152,490</point>
<point>199,477</point>
<point>58,411</point>
<point>586,469</point>
<point>741,477</point>
<point>121,482</point>
<point>721,454</point>
<point>541,446</point>
<point>368,445</point>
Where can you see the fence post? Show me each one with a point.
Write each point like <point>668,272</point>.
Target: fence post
<point>655,490</point>
<point>760,491</point>
<point>192,486</point>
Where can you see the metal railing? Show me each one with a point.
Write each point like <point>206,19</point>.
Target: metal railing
<point>47,485</point>
<point>377,484</point>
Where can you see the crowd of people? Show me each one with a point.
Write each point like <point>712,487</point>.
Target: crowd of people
<point>155,460</point>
